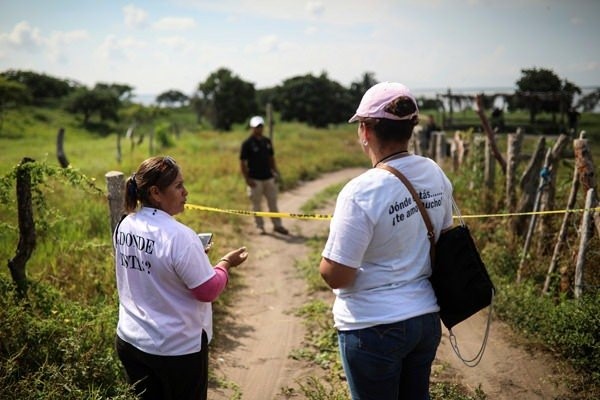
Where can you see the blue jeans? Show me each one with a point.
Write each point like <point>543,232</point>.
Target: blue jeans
<point>392,361</point>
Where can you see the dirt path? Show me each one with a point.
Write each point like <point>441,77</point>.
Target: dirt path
<point>261,330</point>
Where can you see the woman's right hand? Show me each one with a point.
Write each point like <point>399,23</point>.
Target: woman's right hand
<point>236,257</point>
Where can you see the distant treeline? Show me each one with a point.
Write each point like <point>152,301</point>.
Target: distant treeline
<point>224,98</point>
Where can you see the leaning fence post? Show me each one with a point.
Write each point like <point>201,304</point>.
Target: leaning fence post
<point>477,158</point>
<point>562,235</point>
<point>115,184</point>
<point>27,238</point>
<point>515,141</point>
<point>60,151</point>
<point>270,121</point>
<point>118,155</point>
<point>586,234</point>
<point>543,182</point>
<point>489,171</point>
<point>547,199</point>
<point>585,168</point>
<point>528,183</point>
<point>489,132</point>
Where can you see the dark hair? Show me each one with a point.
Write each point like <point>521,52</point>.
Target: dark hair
<point>155,171</point>
<point>390,130</point>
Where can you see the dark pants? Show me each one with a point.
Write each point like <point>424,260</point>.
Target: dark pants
<point>166,377</point>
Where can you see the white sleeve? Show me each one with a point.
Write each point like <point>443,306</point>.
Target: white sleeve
<point>191,262</point>
<point>350,233</point>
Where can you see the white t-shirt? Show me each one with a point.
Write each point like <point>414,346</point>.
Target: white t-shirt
<point>158,261</point>
<point>378,229</point>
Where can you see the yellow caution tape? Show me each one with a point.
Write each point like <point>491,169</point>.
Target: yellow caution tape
<point>260,213</point>
<point>328,216</point>
<point>572,210</point>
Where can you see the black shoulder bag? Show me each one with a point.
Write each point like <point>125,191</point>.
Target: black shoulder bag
<point>459,278</point>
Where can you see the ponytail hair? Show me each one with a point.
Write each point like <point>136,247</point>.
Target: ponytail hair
<point>155,171</point>
<point>131,194</point>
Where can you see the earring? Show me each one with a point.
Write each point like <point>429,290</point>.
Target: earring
<point>365,143</point>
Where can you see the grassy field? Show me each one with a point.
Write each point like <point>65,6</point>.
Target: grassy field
<point>71,313</point>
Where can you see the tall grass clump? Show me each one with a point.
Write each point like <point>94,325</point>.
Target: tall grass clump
<point>52,347</point>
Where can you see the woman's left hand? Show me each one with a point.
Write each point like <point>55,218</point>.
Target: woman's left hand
<point>236,257</point>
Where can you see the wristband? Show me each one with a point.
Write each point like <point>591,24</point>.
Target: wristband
<point>226,260</point>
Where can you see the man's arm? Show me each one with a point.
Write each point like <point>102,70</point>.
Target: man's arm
<point>246,172</point>
<point>273,167</point>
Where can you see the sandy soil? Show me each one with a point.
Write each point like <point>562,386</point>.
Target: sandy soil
<point>260,330</point>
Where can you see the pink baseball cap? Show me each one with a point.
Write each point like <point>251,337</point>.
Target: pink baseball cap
<point>376,99</point>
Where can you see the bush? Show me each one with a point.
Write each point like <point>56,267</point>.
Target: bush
<point>53,348</point>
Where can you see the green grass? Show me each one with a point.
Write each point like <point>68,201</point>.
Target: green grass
<point>71,270</point>
<point>73,257</point>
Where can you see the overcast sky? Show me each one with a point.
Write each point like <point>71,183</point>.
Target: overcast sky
<point>175,44</point>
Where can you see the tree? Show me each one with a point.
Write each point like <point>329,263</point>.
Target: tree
<point>101,101</point>
<point>316,101</point>
<point>358,88</point>
<point>590,101</point>
<point>225,99</point>
<point>568,90</point>
<point>170,97</point>
<point>11,94</point>
<point>41,87</point>
<point>538,90</point>
<point>123,92</point>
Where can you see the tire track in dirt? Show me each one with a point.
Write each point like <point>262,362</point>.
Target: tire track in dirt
<point>261,330</point>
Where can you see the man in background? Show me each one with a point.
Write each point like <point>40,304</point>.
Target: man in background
<point>257,162</point>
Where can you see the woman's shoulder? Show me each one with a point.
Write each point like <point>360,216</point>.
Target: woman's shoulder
<point>365,184</point>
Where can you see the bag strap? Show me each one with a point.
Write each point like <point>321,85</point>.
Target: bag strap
<point>431,236</point>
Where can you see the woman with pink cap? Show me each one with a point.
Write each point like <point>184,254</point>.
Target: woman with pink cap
<point>376,258</point>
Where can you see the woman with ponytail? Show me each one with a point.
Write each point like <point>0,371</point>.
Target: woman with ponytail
<point>166,285</point>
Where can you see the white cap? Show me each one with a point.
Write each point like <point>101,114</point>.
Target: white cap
<point>256,121</point>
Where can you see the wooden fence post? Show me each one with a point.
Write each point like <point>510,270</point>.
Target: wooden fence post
<point>270,121</point>
<point>543,182</point>
<point>547,200</point>
<point>528,184</point>
<point>115,184</point>
<point>513,152</point>
<point>457,150</point>
<point>440,146</point>
<point>60,152</point>
<point>151,142</point>
<point>489,133</point>
<point>585,168</point>
<point>586,234</point>
<point>118,155</point>
<point>562,234</point>
<point>26,229</point>
<point>489,174</point>
<point>414,141</point>
<point>477,158</point>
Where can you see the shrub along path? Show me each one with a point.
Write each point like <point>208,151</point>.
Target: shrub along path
<point>260,329</point>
